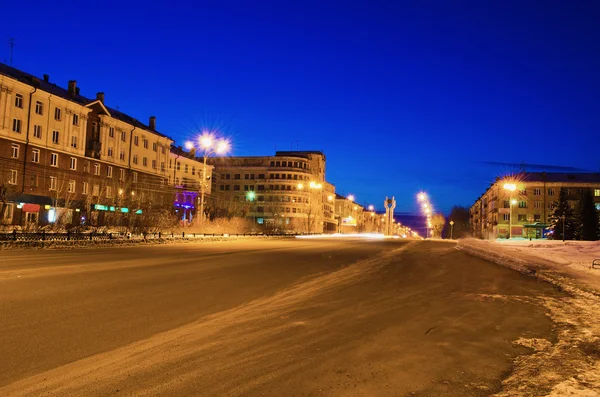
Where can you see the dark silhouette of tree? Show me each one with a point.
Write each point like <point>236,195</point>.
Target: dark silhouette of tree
<point>460,216</point>
<point>562,208</point>
<point>586,217</point>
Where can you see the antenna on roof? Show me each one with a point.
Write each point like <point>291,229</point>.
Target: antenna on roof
<point>11,44</point>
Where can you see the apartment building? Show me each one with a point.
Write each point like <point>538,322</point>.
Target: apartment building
<point>286,191</point>
<point>528,198</point>
<point>66,157</point>
<point>350,215</point>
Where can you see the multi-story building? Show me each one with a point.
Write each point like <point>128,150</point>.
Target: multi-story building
<point>66,157</point>
<point>287,191</point>
<point>349,214</point>
<point>528,198</point>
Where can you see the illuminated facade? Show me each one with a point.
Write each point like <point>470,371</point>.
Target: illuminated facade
<point>64,156</point>
<point>529,198</point>
<point>350,216</point>
<point>285,192</point>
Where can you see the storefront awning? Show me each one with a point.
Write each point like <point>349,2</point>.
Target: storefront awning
<point>537,225</point>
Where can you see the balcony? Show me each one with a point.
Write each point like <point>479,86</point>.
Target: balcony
<point>93,149</point>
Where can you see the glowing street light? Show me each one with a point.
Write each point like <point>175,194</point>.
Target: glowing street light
<point>371,207</point>
<point>422,196</point>
<point>511,187</point>
<point>350,197</point>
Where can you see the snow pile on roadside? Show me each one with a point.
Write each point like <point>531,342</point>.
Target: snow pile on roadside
<point>571,365</point>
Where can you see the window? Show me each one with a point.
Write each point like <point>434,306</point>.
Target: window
<point>13,177</point>
<point>71,186</point>
<point>55,137</point>
<point>33,181</point>
<point>597,192</point>
<point>53,183</point>
<point>227,176</point>
<point>145,161</point>
<point>506,217</point>
<point>39,108</point>
<point>245,188</point>
<point>109,152</point>
<point>162,166</point>
<point>57,114</point>
<point>246,176</point>
<point>37,131</point>
<point>145,143</point>
<point>154,146</point>
<point>111,132</point>
<point>135,159</point>
<point>178,166</point>
<point>193,170</point>
<point>185,169</point>
<point>84,188</point>
<point>136,140</point>
<point>19,101</point>
<point>96,169</point>
<point>17,125</point>
<point>54,160</point>
<point>122,155</point>
<point>236,176</point>
<point>96,190</point>
<point>162,149</point>
<point>94,127</point>
<point>537,218</point>
<point>261,176</point>
<point>261,187</point>
<point>523,192</point>
<point>522,218</point>
<point>14,151</point>
<point>108,192</point>
<point>74,142</point>
<point>227,187</point>
<point>537,191</point>
<point>154,164</point>
<point>134,177</point>
<point>123,137</point>
<point>537,204</point>
<point>236,187</point>
<point>86,166</point>
<point>73,164</point>
<point>75,119</point>
<point>109,171</point>
<point>35,156</point>
<point>550,192</point>
<point>222,187</point>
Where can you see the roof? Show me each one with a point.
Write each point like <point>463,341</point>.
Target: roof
<point>54,89</point>
<point>558,177</point>
<point>298,153</point>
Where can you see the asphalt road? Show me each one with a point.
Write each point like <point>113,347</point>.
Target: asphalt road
<point>275,318</point>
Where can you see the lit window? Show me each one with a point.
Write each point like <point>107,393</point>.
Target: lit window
<point>597,192</point>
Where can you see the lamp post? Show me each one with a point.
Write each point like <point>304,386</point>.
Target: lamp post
<point>511,187</point>
<point>209,145</point>
<point>451,230</point>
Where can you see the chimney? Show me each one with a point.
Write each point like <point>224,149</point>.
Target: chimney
<point>46,78</point>
<point>77,90</point>
<point>152,123</point>
<point>72,87</point>
<point>100,97</point>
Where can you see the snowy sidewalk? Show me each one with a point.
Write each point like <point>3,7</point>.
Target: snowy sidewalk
<point>571,259</point>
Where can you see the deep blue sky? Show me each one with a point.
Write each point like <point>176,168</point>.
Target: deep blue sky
<point>401,96</point>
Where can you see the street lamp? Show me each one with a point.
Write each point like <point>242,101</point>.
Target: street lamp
<point>451,230</point>
<point>311,185</point>
<point>350,197</point>
<point>511,187</point>
<point>209,145</point>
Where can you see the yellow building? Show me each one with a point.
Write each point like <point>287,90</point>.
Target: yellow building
<point>522,203</point>
<point>286,192</point>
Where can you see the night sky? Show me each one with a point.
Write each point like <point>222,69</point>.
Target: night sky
<point>401,96</point>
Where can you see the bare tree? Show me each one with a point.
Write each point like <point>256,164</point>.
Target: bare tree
<point>437,224</point>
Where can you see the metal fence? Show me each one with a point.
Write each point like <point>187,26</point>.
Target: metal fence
<point>94,236</point>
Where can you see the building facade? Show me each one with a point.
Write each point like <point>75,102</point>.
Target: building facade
<point>67,158</point>
<point>528,198</point>
<point>287,191</point>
